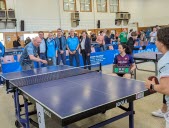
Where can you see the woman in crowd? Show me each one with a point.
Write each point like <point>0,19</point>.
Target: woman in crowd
<point>85,47</point>
<point>108,40</point>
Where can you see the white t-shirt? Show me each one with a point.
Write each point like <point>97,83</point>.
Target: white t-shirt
<point>153,36</point>
<point>163,70</point>
<point>42,46</point>
<point>83,43</point>
<point>129,35</point>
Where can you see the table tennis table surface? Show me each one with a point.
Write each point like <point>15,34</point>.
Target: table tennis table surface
<point>71,98</point>
<point>148,55</point>
<point>13,49</point>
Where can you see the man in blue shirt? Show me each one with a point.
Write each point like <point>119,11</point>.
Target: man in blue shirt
<point>30,54</point>
<point>51,49</point>
<point>61,44</point>
<point>42,48</point>
<point>2,50</point>
<point>73,46</point>
<point>2,53</point>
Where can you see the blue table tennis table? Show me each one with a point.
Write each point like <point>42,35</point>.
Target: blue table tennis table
<point>67,95</point>
<point>147,57</point>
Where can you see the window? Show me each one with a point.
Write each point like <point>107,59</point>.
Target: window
<point>101,5</point>
<point>69,5</point>
<point>85,5</point>
<point>2,5</point>
<point>114,6</point>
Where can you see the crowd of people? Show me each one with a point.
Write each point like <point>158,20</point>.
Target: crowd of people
<point>52,50</point>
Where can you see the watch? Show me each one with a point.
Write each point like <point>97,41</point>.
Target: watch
<point>131,71</point>
<point>152,87</point>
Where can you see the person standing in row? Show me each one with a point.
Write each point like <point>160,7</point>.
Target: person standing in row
<point>42,48</point>
<point>73,46</point>
<point>85,47</point>
<point>30,54</point>
<point>2,50</point>
<point>51,49</point>
<point>61,44</point>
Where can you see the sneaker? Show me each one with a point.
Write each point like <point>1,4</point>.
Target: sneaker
<point>158,113</point>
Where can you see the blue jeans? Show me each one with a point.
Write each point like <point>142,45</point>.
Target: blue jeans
<point>43,57</point>
<point>54,60</point>
<point>102,48</point>
<point>106,46</point>
<point>62,57</point>
<point>76,56</point>
<point>86,59</point>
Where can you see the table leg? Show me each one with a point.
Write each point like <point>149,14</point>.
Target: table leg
<point>17,104</point>
<point>131,116</point>
<point>156,73</point>
<point>26,112</point>
<point>135,73</point>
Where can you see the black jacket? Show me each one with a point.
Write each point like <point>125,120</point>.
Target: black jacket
<point>87,45</point>
<point>16,43</point>
<point>131,43</point>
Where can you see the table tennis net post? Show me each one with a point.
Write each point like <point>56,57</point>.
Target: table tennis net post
<point>74,71</point>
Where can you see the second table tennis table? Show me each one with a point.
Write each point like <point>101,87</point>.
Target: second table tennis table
<point>147,57</point>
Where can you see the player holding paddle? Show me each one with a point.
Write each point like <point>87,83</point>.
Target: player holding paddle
<point>162,44</point>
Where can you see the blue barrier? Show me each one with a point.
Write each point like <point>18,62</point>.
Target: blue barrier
<point>11,67</point>
<point>105,58</point>
<point>149,48</point>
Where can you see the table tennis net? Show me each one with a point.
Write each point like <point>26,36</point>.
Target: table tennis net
<point>74,71</point>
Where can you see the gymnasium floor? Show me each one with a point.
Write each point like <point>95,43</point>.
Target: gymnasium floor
<point>143,108</point>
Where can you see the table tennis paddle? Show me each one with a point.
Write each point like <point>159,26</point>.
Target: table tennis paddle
<point>156,82</point>
<point>155,78</point>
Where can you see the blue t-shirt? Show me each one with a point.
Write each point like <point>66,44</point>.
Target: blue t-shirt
<point>51,48</point>
<point>127,60</point>
<point>2,50</point>
<point>29,49</point>
<point>163,70</point>
<point>72,43</point>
